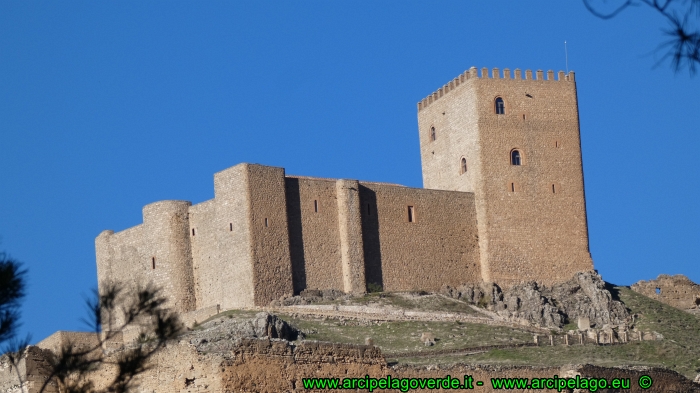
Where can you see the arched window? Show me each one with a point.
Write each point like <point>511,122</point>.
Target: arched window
<point>463,166</point>
<point>515,158</point>
<point>432,134</point>
<point>500,106</point>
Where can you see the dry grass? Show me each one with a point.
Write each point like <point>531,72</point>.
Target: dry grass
<point>679,351</point>
<point>404,336</point>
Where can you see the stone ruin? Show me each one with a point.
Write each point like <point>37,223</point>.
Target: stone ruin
<point>677,291</point>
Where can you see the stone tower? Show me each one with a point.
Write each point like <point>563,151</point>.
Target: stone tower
<point>514,142</point>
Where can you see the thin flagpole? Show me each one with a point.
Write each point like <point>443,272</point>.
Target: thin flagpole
<point>566,55</point>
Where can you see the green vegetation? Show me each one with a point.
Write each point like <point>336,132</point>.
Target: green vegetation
<point>409,301</point>
<point>679,350</point>
<point>404,336</point>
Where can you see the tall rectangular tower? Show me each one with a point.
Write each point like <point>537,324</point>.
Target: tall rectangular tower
<point>514,142</point>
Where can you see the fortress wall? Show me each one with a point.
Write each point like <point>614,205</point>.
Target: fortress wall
<point>455,119</point>
<point>122,258</point>
<point>440,158</point>
<point>206,255</point>
<point>166,228</point>
<point>79,341</point>
<point>350,228</point>
<point>532,232</point>
<point>34,367</point>
<point>232,271</point>
<point>157,251</point>
<point>269,228</point>
<point>440,247</point>
<point>314,238</point>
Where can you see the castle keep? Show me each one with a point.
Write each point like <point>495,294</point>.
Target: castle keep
<point>503,202</point>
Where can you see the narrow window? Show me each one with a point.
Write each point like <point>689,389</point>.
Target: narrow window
<point>192,231</point>
<point>153,263</point>
<point>463,166</point>
<point>411,214</point>
<point>500,106</point>
<point>316,206</point>
<point>230,227</point>
<point>432,134</point>
<point>523,116</point>
<point>266,223</point>
<point>512,187</point>
<point>515,158</point>
<point>554,189</point>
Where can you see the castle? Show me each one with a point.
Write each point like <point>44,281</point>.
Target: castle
<point>503,202</point>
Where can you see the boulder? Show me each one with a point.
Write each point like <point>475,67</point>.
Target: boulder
<point>270,325</point>
<point>220,334</point>
<point>428,338</point>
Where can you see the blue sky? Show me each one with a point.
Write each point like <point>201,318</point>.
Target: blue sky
<point>108,106</point>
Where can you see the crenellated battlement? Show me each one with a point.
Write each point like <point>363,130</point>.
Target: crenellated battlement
<point>473,73</point>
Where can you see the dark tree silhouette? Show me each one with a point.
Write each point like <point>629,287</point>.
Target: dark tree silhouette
<point>71,368</point>
<point>12,280</point>
<point>682,45</point>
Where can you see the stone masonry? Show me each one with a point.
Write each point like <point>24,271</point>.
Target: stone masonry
<point>677,291</point>
<point>268,235</point>
<point>531,216</point>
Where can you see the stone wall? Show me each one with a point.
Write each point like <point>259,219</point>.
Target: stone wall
<point>157,251</point>
<point>314,237</point>
<point>272,266</point>
<point>33,368</point>
<point>532,217</point>
<point>277,366</point>
<point>439,246</point>
<point>265,236</point>
<point>676,291</point>
<point>232,270</point>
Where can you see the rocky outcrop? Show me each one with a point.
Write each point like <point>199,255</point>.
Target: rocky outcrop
<point>311,296</point>
<point>221,334</point>
<point>584,295</point>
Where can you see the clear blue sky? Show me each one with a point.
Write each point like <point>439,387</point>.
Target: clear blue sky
<point>108,106</point>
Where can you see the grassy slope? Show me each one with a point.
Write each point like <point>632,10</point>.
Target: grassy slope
<point>680,349</point>
<point>397,337</point>
<point>413,302</point>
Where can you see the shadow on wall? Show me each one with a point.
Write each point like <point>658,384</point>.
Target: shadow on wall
<point>370,238</point>
<point>296,240</point>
